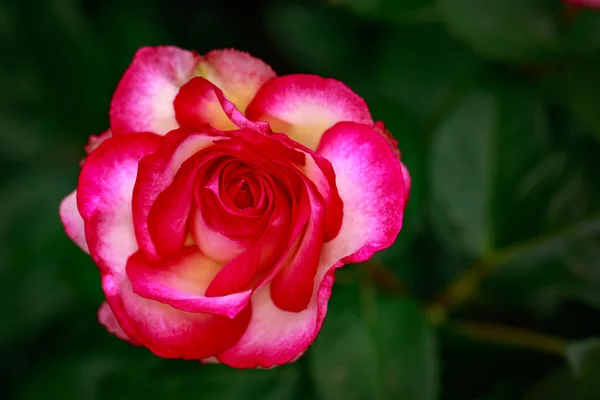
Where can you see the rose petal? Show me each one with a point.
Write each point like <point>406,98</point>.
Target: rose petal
<point>275,337</point>
<point>143,100</point>
<point>104,197</point>
<point>72,221</point>
<point>268,248</point>
<point>370,182</point>
<point>169,215</point>
<point>320,172</point>
<point>585,3</point>
<point>95,140</point>
<point>236,73</point>
<point>104,201</point>
<point>200,102</point>
<point>169,332</point>
<point>292,288</point>
<point>305,106</point>
<point>380,128</point>
<point>182,283</point>
<point>407,183</point>
<point>156,172</point>
<point>212,243</point>
<point>107,318</point>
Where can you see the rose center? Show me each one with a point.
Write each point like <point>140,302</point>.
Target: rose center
<point>241,194</point>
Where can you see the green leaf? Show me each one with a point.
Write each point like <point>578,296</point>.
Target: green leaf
<point>578,88</point>
<point>22,137</point>
<point>30,268</point>
<point>477,172</point>
<point>409,70</point>
<point>74,378</point>
<point>551,258</point>
<point>171,379</point>
<point>562,385</point>
<point>317,39</point>
<point>582,34</point>
<point>390,10</point>
<point>507,30</point>
<point>461,164</point>
<point>584,358</point>
<point>405,128</point>
<point>502,391</point>
<point>382,349</point>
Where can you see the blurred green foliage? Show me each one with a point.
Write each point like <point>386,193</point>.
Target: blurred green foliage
<point>492,290</point>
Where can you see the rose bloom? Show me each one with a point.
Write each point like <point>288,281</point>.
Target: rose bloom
<point>585,3</point>
<point>223,198</point>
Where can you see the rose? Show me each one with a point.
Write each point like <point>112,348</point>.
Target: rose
<point>222,199</point>
<point>585,3</point>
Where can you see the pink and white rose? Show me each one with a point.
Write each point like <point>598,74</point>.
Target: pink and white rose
<point>584,3</point>
<point>223,198</point>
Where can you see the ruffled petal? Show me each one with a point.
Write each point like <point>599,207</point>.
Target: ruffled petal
<point>305,106</point>
<point>143,100</point>
<point>292,287</point>
<point>107,318</point>
<point>407,183</point>
<point>96,140</point>
<point>169,332</point>
<point>369,180</point>
<point>200,102</point>
<point>213,243</point>
<point>371,184</point>
<point>104,197</point>
<point>182,282</point>
<point>236,73</point>
<point>321,173</point>
<point>275,337</point>
<point>72,221</point>
<point>156,172</point>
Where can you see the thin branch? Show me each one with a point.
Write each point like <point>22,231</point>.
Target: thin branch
<point>511,336</point>
<point>468,284</point>
<point>385,278</point>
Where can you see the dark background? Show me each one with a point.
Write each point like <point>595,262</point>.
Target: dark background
<point>492,290</point>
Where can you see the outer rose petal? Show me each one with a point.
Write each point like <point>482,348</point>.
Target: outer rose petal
<point>156,172</point>
<point>169,332</point>
<point>72,221</point>
<point>369,179</point>
<point>143,100</point>
<point>104,197</point>
<point>107,318</point>
<point>276,337</point>
<point>182,283</point>
<point>213,243</point>
<point>200,102</point>
<point>305,106</point>
<point>407,183</point>
<point>96,140</point>
<point>585,3</point>
<point>104,201</point>
<point>236,73</point>
<point>292,287</point>
<point>370,182</point>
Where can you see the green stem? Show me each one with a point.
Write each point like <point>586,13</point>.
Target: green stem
<point>544,243</point>
<point>512,336</point>
<point>369,311</point>
<point>385,279</point>
<point>468,284</point>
